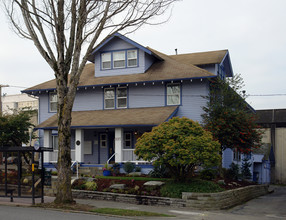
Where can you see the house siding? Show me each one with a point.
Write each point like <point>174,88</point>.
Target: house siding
<point>90,99</point>
<point>227,158</point>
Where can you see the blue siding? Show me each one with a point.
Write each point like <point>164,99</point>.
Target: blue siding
<point>192,100</point>
<point>118,44</point>
<point>211,68</point>
<point>146,96</point>
<point>44,113</point>
<point>227,158</point>
<point>90,99</point>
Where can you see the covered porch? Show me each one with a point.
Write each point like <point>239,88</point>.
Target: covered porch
<point>105,136</point>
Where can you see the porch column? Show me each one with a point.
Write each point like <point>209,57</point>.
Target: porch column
<point>118,144</point>
<point>48,144</point>
<point>79,145</point>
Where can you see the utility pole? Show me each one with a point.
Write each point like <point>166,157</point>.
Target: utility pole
<point>1,97</point>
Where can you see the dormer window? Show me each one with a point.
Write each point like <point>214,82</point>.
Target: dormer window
<point>119,59</point>
<point>106,61</point>
<point>131,58</point>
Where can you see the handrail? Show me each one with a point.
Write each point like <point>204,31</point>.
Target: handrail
<point>110,158</point>
<point>75,162</point>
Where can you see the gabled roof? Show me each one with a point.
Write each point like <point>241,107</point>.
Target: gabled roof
<point>109,38</point>
<point>201,58</point>
<point>115,117</point>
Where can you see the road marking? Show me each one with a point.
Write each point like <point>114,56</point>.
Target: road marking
<point>186,213</point>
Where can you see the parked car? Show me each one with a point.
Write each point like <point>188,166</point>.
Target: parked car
<point>11,160</point>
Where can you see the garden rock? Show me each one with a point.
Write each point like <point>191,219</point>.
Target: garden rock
<point>154,183</point>
<point>134,174</point>
<point>118,186</point>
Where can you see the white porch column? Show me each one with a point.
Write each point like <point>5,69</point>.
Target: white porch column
<point>118,144</point>
<point>48,144</point>
<point>79,145</point>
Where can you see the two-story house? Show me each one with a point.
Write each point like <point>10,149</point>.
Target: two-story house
<point>125,91</point>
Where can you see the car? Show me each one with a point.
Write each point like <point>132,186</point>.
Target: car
<point>11,160</point>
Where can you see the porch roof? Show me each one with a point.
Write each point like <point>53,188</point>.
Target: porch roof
<point>115,118</point>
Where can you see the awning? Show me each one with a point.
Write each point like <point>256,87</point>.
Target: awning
<point>115,118</point>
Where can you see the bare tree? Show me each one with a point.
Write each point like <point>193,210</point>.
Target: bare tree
<point>60,30</point>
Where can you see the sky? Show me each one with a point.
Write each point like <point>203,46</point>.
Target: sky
<point>254,32</point>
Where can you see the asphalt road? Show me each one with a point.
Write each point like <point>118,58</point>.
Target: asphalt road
<point>28,213</point>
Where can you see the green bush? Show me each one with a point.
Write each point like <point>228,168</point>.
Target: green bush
<point>137,169</point>
<point>208,174</point>
<point>160,171</point>
<point>129,167</point>
<point>92,186</point>
<point>233,172</point>
<point>174,189</point>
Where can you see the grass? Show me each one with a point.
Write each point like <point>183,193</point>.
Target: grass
<point>127,212</point>
<point>174,190</point>
<point>109,211</point>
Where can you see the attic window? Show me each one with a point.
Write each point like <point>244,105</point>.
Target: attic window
<point>106,60</point>
<point>119,59</point>
<point>131,58</point>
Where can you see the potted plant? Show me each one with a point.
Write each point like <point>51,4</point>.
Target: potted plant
<point>106,170</point>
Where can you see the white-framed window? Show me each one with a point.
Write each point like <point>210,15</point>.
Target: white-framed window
<point>127,141</point>
<point>173,94</point>
<point>131,58</point>
<point>109,98</point>
<point>236,155</point>
<point>53,101</point>
<point>103,140</point>
<point>55,142</point>
<point>119,59</point>
<point>106,61</point>
<point>121,95</point>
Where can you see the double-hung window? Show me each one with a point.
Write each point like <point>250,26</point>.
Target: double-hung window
<point>53,101</point>
<point>173,94</point>
<point>106,61</point>
<point>121,95</point>
<point>236,155</point>
<point>131,58</point>
<point>127,141</point>
<point>109,98</point>
<point>114,98</point>
<point>119,59</point>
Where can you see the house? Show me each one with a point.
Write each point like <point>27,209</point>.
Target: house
<point>273,121</point>
<point>125,91</point>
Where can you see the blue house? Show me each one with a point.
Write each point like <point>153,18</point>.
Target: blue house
<point>125,91</point>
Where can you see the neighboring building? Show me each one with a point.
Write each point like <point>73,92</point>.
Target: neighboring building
<point>14,103</point>
<point>274,123</point>
<point>124,92</point>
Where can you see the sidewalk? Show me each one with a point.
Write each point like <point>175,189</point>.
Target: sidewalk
<point>178,213</point>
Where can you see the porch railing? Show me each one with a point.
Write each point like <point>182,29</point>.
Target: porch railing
<point>129,155</point>
<point>54,156</point>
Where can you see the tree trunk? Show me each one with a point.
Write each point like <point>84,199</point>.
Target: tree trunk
<point>64,110</point>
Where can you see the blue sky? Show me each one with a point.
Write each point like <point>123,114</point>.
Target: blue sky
<point>254,32</point>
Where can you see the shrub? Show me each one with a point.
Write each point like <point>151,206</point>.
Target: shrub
<point>245,171</point>
<point>181,144</point>
<point>91,186</point>
<point>160,171</point>
<point>137,169</point>
<point>233,171</point>
<point>208,174</point>
<point>129,167</point>
<point>116,169</point>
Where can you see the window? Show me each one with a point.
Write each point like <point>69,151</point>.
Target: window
<point>55,142</point>
<point>121,95</point>
<point>131,58</point>
<point>236,155</point>
<point>109,98</point>
<point>119,59</point>
<point>106,60</point>
<point>103,140</point>
<point>53,102</point>
<point>127,141</point>
<point>173,94</point>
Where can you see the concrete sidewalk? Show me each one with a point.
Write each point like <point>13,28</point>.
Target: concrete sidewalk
<point>178,213</point>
